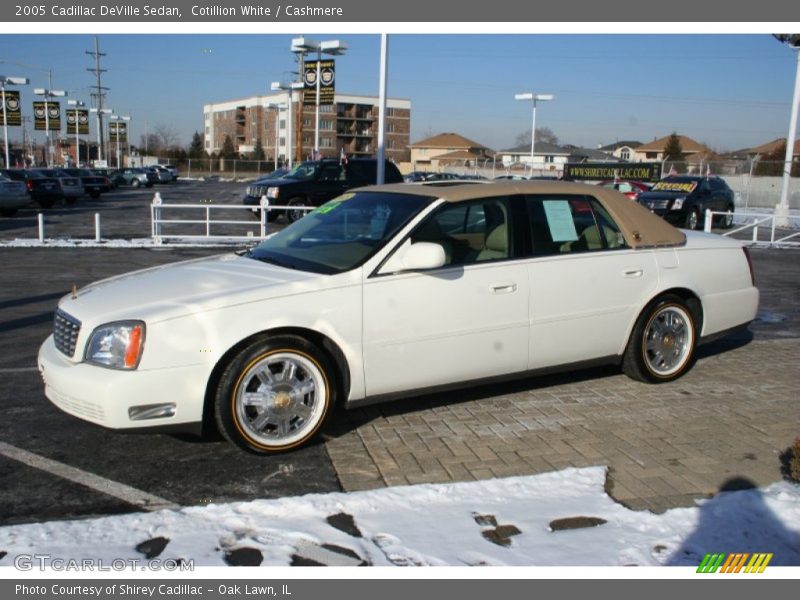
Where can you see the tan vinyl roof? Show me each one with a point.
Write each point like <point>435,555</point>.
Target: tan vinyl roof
<point>639,226</point>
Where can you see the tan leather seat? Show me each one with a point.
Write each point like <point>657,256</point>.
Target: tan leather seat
<point>495,245</point>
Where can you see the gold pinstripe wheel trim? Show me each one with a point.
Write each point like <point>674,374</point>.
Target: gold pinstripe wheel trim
<point>670,343</point>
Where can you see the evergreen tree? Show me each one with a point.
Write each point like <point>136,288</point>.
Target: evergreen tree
<point>673,152</point>
<point>228,151</point>
<point>772,163</point>
<point>258,151</point>
<point>196,148</point>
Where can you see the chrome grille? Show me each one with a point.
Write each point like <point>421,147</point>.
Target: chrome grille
<point>656,204</point>
<point>65,332</point>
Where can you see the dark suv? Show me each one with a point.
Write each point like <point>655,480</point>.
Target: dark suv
<point>313,183</point>
<point>683,200</point>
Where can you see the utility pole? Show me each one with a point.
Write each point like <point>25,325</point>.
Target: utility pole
<point>99,94</point>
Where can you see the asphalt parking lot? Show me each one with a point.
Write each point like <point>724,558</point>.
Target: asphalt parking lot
<point>666,445</point>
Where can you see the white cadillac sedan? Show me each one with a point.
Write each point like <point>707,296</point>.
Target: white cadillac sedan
<point>389,291</point>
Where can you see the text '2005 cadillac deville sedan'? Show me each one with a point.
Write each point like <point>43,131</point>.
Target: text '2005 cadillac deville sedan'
<point>388,291</point>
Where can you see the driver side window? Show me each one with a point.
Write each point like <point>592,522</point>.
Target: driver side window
<point>470,232</point>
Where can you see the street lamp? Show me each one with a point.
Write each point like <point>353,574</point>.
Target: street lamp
<point>45,93</point>
<point>77,104</point>
<point>534,98</point>
<point>289,88</point>
<point>117,119</point>
<point>782,209</point>
<point>98,112</point>
<point>13,81</point>
<point>278,106</point>
<point>331,48</point>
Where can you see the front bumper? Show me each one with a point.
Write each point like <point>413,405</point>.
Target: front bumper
<point>108,397</point>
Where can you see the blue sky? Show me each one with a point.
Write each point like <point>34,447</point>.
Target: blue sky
<point>729,91</point>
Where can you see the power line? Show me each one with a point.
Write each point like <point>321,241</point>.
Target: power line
<point>99,94</point>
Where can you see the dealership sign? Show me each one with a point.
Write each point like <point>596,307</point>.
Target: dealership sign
<point>327,79</point>
<point>53,119</point>
<point>77,118</point>
<point>118,132</point>
<point>603,171</point>
<point>12,112</point>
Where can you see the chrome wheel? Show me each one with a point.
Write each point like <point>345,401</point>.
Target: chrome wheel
<point>692,219</point>
<point>281,399</point>
<point>668,340</point>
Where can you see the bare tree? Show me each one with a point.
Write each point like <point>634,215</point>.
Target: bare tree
<point>543,134</point>
<point>167,136</point>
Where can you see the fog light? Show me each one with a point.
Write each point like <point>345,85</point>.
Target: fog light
<point>151,411</point>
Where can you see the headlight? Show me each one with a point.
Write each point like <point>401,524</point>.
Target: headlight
<point>272,192</point>
<point>678,203</point>
<point>116,345</point>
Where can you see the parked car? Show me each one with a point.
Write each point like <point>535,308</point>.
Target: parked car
<point>93,184</point>
<point>389,291</point>
<point>71,186</point>
<point>109,174</point>
<point>313,183</point>
<point>135,177</point>
<point>631,189</point>
<point>13,196</point>
<point>45,191</point>
<point>512,177</point>
<point>162,175</point>
<point>173,170</point>
<point>683,200</point>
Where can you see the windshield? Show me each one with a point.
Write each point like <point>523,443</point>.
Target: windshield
<point>675,184</point>
<point>303,171</point>
<point>341,234</point>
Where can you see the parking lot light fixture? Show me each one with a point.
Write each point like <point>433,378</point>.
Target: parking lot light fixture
<point>46,93</point>
<point>782,209</point>
<point>3,82</point>
<point>117,119</point>
<point>533,98</point>
<point>303,45</point>
<point>77,104</point>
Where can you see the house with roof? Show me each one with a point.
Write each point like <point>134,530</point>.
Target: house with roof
<point>547,157</point>
<point>577,154</point>
<point>622,151</point>
<point>770,148</point>
<point>693,151</point>
<point>448,149</point>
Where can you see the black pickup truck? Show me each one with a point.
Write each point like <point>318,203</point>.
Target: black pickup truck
<point>312,183</point>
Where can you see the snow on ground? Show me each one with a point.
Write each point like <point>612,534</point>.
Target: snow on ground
<point>496,522</point>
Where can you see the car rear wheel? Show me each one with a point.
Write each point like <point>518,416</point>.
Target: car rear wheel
<point>661,347</point>
<point>693,219</point>
<point>274,395</point>
<point>46,203</point>
<point>726,220</point>
<point>136,183</point>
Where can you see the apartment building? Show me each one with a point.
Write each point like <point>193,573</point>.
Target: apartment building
<point>349,124</point>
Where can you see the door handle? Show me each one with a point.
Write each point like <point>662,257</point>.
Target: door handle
<point>633,272</point>
<point>503,288</point>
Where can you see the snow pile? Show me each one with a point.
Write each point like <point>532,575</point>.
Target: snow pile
<point>561,518</point>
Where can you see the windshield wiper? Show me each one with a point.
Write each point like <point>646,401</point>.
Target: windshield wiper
<point>273,261</point>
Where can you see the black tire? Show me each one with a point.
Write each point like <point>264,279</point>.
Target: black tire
<point>661,347</point>
<point>46,203</point>
<point>136,183</point>
<point>94,195</point>
<point>692,219</point>
<point>275,395</point>
<point>8,212</point>
<point>295,215</point>
<point>70,200</point>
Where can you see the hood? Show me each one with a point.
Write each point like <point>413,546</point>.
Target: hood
<point>174,290</point>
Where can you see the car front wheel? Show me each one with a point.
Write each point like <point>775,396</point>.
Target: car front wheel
<point>693,219</point>
<point>662,345</point>
<point>295,215</point>
<point>274,395</point>
<point>136,183</point>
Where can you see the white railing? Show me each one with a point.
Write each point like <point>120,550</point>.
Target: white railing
<point>206,210</point>
<point>763,220</point>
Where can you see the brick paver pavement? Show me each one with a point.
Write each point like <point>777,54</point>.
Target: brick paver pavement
<point>665,445</point>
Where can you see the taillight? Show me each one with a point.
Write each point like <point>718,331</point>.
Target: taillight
<point>749,265</point>
<point>29,185</point>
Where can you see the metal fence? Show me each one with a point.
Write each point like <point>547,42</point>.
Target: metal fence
<point>765,229</point>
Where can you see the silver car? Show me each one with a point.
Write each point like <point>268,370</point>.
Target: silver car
<point>71,187</point>
<point>13,196</point>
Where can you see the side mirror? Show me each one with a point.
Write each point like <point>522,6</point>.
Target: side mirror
<point>415,257</point>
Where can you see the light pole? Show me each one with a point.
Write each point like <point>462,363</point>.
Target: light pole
<point>329,47</point>
<point>534,98</point>
<point>782,209</point>
<point>77,104</point>
<point>13,81</point>
<point>45,93</point>
<point>278,108</point>
<point>117,119</point>
<point>289,89</point>
<point>98,112</point>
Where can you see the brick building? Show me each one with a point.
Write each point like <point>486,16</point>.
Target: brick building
<point>350,123</point>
